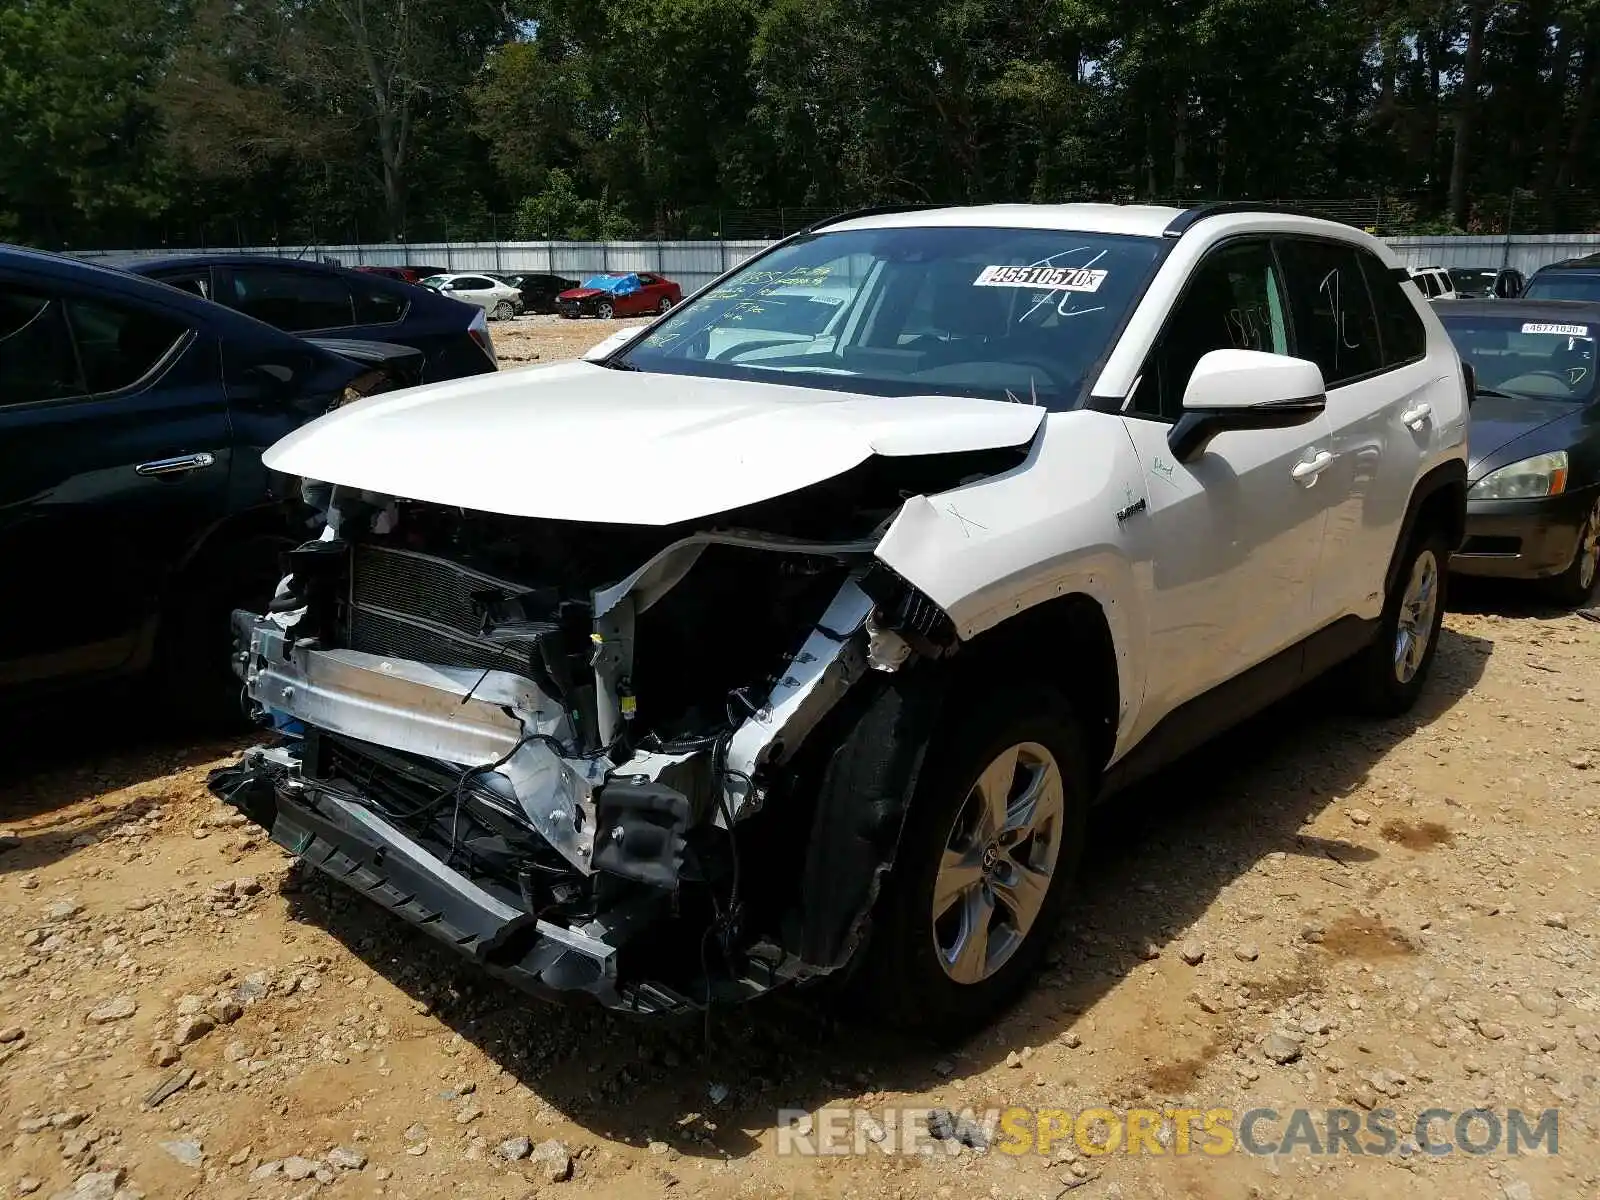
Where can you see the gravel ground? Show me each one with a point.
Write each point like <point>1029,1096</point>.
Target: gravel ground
<point>1314,912</point>
<point>536,338</point>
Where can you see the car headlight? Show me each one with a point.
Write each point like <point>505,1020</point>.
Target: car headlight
<point>1541,475</point>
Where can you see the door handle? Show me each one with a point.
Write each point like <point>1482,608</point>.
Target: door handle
<point>1415,418</point>
<point>1306,472</point>
<point>180,465</point>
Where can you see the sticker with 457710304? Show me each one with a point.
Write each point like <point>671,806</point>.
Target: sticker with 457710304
<point>1054,279</point>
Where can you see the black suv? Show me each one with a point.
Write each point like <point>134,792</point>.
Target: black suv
<point>1574,279</point>
<point>135,512</point>
<point>314,298</point>
<point>1502,283</point>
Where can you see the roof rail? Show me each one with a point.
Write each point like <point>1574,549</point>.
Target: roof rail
<point>1190,217</point>
<point>876,210</point>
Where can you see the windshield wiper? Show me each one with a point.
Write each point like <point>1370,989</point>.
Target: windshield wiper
<point>617,364</point>
<point>1497,394</point>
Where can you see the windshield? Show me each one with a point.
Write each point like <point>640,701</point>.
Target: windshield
<point>1474,281</point>
<point>1563,285</point>
<point>1544,360</point>
<point>434,281</point>
<point>613,283</point>
<point>1019,314</point>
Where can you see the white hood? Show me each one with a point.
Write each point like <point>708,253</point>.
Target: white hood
<point>575,441</point>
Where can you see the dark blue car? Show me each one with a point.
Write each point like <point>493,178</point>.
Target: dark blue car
<point>135,512</point>
<point>311,298</point>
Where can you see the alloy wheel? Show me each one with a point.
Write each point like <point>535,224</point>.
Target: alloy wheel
<point>1589,550</point>
<point>998,863</point>
<point>1418,607</point>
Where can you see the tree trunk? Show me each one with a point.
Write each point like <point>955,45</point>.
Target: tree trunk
<point>1583,115</point>
<point>1550,141</point>
<point>1467,112</point>
<point>1180,144</point>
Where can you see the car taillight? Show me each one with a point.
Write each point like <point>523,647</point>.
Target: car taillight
<point>479,329</point>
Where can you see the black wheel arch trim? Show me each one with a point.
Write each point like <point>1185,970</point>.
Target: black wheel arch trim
<point>1439,480</point>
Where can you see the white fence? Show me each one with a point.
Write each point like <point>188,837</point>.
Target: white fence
<point>1527,252</point>
<point>694,264</point>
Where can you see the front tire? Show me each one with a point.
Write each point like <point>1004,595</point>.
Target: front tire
<point>990,847</point>
<point>604,310</point>
<point>1389,674</point>
<point>1573,587</point>
<point>503,311</point>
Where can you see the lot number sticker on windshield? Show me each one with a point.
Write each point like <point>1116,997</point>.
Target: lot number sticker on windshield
<point>1054,279</point>
<point>1558,330</point>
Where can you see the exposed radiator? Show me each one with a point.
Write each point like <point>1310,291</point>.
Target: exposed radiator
<point>428,609</point>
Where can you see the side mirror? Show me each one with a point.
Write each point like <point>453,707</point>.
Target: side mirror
<point>1245,389</point>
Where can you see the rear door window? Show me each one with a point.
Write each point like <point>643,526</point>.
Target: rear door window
<point>293,300</point>
<point>196,283</point>
<point>53,348</point>
<point>378,305</point>
<point>37,361</point>
<point>1334,322</point>
<point>1400,329</point>
<point>120,346</point>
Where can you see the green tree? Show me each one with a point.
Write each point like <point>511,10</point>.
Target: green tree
<point>79,151</point>
<point>559,213</point>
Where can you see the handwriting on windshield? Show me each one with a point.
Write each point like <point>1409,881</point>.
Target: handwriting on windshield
<point>746,292</point>
<point>1064,303</point>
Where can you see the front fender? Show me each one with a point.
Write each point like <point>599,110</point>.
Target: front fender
<point>995,547</point>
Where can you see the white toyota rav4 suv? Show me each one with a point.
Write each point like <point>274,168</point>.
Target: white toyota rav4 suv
<point>795,634</point>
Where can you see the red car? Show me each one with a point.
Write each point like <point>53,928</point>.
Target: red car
<point>404,274</point>
<point>619,294</point>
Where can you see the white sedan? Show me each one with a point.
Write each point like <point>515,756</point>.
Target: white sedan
<point>500,300</point>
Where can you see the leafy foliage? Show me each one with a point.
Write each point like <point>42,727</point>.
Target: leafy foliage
<point>141,121</point>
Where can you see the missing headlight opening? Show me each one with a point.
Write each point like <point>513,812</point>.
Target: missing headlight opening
<point>540,739</point>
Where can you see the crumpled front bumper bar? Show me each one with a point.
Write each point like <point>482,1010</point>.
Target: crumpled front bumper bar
<point>460,716</point>
<point>359,848</point>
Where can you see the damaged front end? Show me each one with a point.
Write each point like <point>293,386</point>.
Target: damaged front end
<point>579,754</point>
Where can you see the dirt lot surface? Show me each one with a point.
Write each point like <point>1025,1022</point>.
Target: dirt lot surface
<point>538,338</point>
<point>1313,913</point>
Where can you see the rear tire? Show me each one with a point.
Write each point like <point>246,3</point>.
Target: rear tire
<point>995,831</point>
<point>503,311</point>
<point>1574,586</point>
<point>665,306</point>
<point>1389,675</point>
